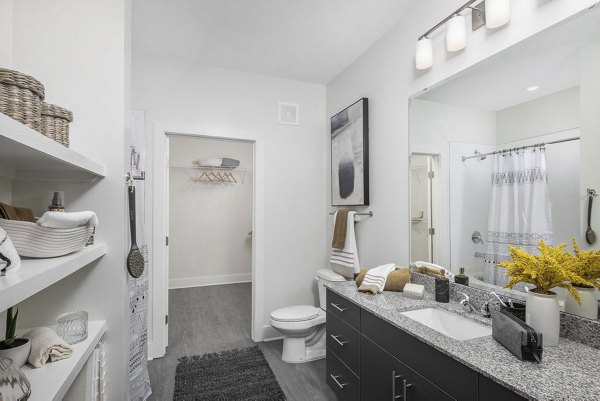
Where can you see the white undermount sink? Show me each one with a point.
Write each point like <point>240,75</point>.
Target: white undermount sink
<point>450,324</point>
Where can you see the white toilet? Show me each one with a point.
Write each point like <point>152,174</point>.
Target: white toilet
<point>303,326</point>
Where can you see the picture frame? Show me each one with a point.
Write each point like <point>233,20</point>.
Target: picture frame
<point>350,155</point>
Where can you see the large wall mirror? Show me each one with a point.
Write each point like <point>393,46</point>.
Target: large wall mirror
<point>496,154</point>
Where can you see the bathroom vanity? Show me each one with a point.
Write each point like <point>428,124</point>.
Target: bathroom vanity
<point>374,352</point>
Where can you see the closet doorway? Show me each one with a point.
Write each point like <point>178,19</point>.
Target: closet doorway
<point>423,206</point>
<point>205,209</point>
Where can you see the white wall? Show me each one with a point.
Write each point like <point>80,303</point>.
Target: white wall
<point>386,75</point>
<point>209,221</point>
<point>77,49</point>
<point>238,104</point>
<point>590,133</point>
<point>6,33</point>
<point>553,113</point>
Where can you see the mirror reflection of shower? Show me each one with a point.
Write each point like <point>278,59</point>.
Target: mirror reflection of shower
<point>423,207</point>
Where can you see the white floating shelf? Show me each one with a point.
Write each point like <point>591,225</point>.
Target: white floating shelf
<point>27,154</point>
<point>53,380</point>
<point>37,274</point>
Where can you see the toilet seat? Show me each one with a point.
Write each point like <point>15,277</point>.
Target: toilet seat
<point>298,313</point>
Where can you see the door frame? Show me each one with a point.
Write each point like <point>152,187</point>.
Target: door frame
<point>158,301</point>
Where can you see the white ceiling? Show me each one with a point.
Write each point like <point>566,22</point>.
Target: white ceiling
<point>549,60</point>
<point>308,40</point>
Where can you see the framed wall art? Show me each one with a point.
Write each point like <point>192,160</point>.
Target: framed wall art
<point>350,155</point>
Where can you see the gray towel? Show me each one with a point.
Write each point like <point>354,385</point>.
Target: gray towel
<point>227,162</point>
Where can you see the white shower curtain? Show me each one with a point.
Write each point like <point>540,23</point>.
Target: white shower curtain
<point>520,212</point>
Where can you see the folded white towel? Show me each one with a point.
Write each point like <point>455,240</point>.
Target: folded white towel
<point>68,219</point>
<point>9,258</point>
<point>345,261</point>
<point>46,344</point>
<point>210,162</point>
<point>376,278</point>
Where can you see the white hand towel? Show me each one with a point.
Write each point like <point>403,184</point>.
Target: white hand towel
<point>10,261</point>
<point>345,261</point>
<point>375,279</point>
<point>46,344</point>
<point>68,220</point>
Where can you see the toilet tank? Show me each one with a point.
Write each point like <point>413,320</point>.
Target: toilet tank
<point>324,276</point>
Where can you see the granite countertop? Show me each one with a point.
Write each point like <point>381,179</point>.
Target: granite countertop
<point>570,371</point>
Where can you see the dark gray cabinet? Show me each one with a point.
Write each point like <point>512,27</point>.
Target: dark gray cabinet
<point>369,359</point>
<point>386,378</point>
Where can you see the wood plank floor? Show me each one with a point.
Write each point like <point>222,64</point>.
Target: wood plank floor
<point>217,318</point>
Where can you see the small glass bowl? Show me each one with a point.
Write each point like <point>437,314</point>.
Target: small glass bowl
<point>73,326</point>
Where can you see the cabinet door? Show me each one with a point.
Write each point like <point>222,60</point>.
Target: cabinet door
<point>384,377</point>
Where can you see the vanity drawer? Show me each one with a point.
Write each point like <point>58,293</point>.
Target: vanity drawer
<point>448,374</point>
<point>341,379</point>
<point>344,341</point>
<point>344,309</point>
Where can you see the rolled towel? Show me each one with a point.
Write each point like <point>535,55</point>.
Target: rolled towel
<point>68,220</point>
<point>374,280</point>
<point>396,280</point>
<point>46,344</point>
<point>9,258</point>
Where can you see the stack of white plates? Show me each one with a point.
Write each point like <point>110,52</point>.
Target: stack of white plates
<point>34,241</point>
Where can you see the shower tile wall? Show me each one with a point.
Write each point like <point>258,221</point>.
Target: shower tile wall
<point>470,191</point>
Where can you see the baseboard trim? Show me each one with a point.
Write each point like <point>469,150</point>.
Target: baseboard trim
<point>204,281</point>
<point>271,334</point>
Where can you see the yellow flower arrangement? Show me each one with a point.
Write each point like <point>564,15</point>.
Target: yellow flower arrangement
<point>553,267</point>
<point>587,266</point>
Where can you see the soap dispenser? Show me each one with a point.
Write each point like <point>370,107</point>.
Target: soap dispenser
<point>461,278</point>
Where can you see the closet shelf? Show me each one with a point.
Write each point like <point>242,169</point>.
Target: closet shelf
<point>27,154</point>
<point>200,167</point>
<point>38,274</point>
<point>53,380</point>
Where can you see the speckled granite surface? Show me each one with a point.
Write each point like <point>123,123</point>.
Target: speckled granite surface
<point>570,371</point>
<point>573,327</point>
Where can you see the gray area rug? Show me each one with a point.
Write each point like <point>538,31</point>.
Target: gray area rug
<point>240,374</point>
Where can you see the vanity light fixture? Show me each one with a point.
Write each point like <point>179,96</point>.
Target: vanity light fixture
<point>424,53</point>
<point>491,13</point>
<point>456,33</point>
<point>532,88</point>
<point>497,13</point>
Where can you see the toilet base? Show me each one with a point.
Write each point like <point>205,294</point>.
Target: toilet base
<point>295,349</point>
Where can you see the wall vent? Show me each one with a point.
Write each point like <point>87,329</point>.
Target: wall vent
<point>289,113</point>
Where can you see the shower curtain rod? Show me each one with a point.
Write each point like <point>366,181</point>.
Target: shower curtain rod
<point>483,155</point>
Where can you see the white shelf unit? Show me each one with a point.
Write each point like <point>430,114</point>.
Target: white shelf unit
<point>52,381</point>
<point>38,274</point>
<point>27,154</point>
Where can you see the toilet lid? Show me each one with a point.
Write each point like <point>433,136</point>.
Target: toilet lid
<point>297,313</point>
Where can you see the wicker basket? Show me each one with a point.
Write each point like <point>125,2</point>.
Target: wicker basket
<point>34,241</point>
<point>21,97</point>
<point>55,123</point>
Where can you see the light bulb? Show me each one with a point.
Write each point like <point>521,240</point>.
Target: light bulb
<point>456,33</point>
<point>497,13</point>
<point>424,54</point>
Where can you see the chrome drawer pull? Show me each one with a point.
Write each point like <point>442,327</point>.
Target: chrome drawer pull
<point>336,306</point>
<point>394,378</point>
<point>337,340</point>
<point>405,385</point>
<point>335,379</point>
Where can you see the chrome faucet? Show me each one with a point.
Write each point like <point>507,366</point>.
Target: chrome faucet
<point>468,307</point>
